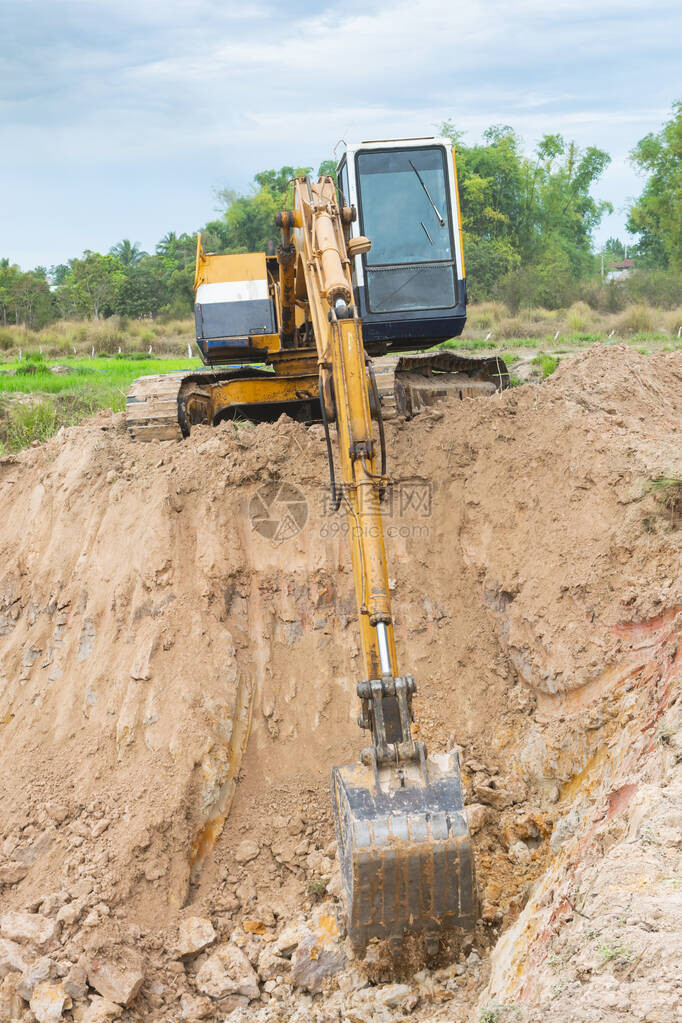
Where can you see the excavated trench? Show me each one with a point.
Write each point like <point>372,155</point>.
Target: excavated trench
<point>185,684</point>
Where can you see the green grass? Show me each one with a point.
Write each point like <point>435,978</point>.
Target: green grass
<point>546,363</point>
<point>667,490</point>
<point>497,1012</point>
<point>66,398</point>
<point>471,344</point>
<point>614,950</point>
<point>112,373</point>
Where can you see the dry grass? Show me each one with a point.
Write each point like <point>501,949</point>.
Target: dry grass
<point>579,324</point>
<point>672,321</point>
<point>637,319</point>
<point>580,318</point>
<point>78,338</point>
<point>486,315</point>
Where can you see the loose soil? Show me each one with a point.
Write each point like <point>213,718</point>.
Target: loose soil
<point>174,688</point>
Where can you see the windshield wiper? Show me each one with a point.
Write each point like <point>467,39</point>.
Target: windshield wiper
<point>428,195</point>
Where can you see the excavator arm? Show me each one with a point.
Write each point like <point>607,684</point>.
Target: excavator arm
<point>403,840</point>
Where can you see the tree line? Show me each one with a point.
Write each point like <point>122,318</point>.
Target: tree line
<point>528,224</point>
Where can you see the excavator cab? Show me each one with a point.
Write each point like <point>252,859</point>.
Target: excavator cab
<point>410,287</point>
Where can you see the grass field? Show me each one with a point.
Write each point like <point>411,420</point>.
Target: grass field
<point>35,401</point>
<point>59,376</point>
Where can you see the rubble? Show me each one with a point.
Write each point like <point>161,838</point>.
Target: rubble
<point>101,1010</point>
<point>12,957</point>
<point>28,928</point>
<point>227,971</point>
<point>194,934</point>
<point>39,971</point>
<point>48,1002</point>
<point>117,983</point>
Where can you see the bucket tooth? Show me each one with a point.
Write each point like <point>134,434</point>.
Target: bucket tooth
<point>405,851</point>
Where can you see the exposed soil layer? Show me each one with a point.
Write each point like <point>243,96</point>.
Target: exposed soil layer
<point>174,687</point>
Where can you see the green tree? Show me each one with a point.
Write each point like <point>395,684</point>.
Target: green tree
<point>9,275</point>
<point>142,289</point>
<point>90,287</point>
<point>129,253</point>
<point>520,214</point>
<point>614,249</point>
<point>657,215</point>
<point>248,222</point>
<point>25,298</point>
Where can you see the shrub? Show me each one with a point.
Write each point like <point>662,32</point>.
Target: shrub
<point>636,319</point>
<point>485,316</point>
<point>673,322</point>
<point>606,297</point>
<point>579,317</point>
<point>660,288</point>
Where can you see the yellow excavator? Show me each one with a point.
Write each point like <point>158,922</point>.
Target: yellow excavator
<point>369,272</point>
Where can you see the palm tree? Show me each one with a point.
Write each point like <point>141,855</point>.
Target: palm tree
<point>167,244</point>
<point>128,252</point>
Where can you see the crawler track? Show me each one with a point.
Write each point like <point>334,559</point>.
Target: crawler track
<point>405,383</point>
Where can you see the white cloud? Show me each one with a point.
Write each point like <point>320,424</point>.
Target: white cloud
<point>203,92</point>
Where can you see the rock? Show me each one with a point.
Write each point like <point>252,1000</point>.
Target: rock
<point>246,850</point>
<point>101,1010</point>
<point>501,795</point>
<point>193,1008</point>
<point>81,889</point>
<point>194,934</point>
<point>473,959</point>
<point>28,927</point>
<point>312,964</point>
<point>263,914</point>
<point>12,873</point>
<point>490,912</point>
<point>287,941</point>
<point>476,815</point>
<point>49,1002</point>
<point>563,829</point>
<point>12,958</point>
<point>39,971</point>
<point>70,913</point>
<point>393,995</point>
<point>246,892</point>
<point>335,885</point>
<point>253,927</point>
<point>352,980</point>
<point>52,903</point>
<point>271,965</point>
<point>524,826</point>
<point>76,980</point>
<point>11,1002</point>
<point>228,972</point>
<point>520,853</point>
<point>296,824</point>
<point>116,983</point>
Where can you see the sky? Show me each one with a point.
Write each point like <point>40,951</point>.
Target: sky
<point>121,118</point>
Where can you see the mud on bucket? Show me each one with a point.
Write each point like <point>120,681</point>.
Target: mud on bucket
<point>405,850</point>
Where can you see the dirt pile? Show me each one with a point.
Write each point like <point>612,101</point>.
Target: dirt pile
<point>175,686</point>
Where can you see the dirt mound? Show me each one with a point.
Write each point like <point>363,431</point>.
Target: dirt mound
<point>178,669</point>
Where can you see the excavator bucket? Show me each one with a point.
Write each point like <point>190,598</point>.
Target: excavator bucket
<point>405,850</point>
